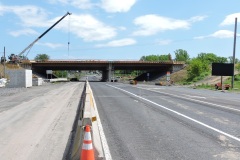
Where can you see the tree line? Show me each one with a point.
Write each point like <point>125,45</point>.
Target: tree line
<point>196,66</point>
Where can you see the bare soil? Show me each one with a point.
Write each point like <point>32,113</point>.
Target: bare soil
<point>35,123</point>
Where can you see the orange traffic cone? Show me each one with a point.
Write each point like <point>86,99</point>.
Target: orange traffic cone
<point>87,147</point>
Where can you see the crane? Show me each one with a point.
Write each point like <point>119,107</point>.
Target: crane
<point>18,58</point>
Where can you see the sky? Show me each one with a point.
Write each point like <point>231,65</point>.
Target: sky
<point>118,29</point>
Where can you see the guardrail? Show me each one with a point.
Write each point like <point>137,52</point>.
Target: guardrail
<point>86,116</point>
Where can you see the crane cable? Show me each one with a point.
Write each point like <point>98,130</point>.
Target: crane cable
<point>28,52</point>
<point>68,34</point>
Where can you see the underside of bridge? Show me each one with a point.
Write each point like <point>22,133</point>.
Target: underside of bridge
<point>107,67</point>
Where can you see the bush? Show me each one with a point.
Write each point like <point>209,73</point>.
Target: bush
<point>237,78</point>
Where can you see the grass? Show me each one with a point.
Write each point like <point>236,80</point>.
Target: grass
<point>236,86</point>
<point>186,81</point>
<point>228,81</point>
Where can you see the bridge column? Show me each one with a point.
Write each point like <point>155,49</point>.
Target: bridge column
<point>109,70</point>
<point>104,75</point>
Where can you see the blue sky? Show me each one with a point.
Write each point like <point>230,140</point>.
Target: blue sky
<point>119,29</point>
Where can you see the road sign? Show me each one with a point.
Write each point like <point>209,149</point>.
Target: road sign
<point>49,71</point>
<point>168,76</point>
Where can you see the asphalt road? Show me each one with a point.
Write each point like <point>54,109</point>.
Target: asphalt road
<point>145,122</point>
<point>36,122</point>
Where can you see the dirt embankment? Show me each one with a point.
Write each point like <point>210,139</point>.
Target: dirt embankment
<point>8,67</point>
<point>1,70</point>
<point>181,75</point>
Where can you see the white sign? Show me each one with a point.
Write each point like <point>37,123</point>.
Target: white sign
<point>49,71</point>
<point>168,76</point>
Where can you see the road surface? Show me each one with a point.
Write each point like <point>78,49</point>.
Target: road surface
<point>157,123</point>
<point>35,123</point>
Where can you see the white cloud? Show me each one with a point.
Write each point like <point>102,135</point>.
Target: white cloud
<point>164,42</point>
<point>23,32</point>
<point>83,4</point>
<point>29,15</point>
<point>219,34</point>
<point>51,45</point>
<point>197,18</point>
<point>223,34</point>
<point>59,1</point>
<point>89,28</point>
<point>84,26</point>
<point>230,19</point>
<point>118,43</point>
<point>117,5</point>
<point>108,5</point>
<point>152,24</point>
<point>1,10</point>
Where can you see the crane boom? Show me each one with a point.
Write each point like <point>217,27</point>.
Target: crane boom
<point>29,46</point>
<point>19,58</point>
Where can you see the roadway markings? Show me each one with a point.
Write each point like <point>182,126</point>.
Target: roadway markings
<point>180,114</point>
<point>195,100</point>
<point>103,137</point>
<point>194,96</point>
<point>101,132</point>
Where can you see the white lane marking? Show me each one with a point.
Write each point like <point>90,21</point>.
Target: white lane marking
<point>195,100</point>
<point>101,132</point>
<point>194,96</point>
<point>180,114</point>
<point>157,88</point>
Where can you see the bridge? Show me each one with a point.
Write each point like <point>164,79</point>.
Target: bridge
<point>107,67</point>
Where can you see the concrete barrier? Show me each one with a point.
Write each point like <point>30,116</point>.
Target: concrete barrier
<point>19,78</point>
<point>37,81</point>
<point>86,116</point>
<point>59,80</point>
<point>89,118</point>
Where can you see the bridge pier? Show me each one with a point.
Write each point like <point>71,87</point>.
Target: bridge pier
<point>104,75</point>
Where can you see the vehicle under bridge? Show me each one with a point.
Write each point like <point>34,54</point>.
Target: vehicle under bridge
<point>107,67</point>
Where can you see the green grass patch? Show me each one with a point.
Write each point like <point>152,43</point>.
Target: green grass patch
<point>236,86</point>
<point>196,79</point>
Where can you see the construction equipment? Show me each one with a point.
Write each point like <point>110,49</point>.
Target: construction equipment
<point>220,86</point>
<point>20,57</point>
<point>3,59</point>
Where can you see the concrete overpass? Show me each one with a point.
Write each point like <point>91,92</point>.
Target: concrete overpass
<point>107,67</point>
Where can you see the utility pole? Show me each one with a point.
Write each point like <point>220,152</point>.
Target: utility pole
<point>234,50</point>
<point>4,63</point>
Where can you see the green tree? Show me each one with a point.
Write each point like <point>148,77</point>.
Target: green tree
<point>222,60</point>
<point>143,58</point>
<point>209,57</point>
<point>238,67</point>
<point>181,55</point>
<point>169,57</point>
<point>42,57</point>
<point>156,58</point>
<point>61,73</point>
<point>196,67</point>
<point>163,57</point>
<point>231,59</point>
